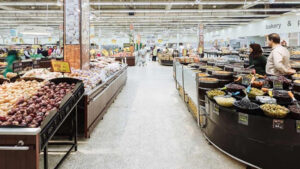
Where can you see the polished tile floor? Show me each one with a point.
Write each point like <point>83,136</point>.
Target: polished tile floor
<point>147,127</point>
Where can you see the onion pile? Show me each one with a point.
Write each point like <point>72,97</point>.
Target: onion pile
<point>32,111</point>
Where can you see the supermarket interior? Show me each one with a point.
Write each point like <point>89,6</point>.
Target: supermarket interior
<point>149,84</point>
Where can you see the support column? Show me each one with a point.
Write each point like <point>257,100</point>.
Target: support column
<point>201,40</point>
<point>76,33</point>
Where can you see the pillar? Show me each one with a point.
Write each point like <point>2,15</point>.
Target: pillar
<point>77,33</point>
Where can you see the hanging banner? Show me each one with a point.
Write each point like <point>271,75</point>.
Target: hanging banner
<point>201,39</point>
<point>159,40</point>
<point>113,41</point>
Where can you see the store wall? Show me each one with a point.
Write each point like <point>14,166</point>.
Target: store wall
<point>284,24</point>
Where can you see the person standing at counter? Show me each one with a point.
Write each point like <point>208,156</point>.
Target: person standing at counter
<point>40,50</point>
<point>27,52</point>
<point>278,62</point>
<point>257,60</point>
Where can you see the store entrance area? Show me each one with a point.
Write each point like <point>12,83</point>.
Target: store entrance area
<point>148,127</point>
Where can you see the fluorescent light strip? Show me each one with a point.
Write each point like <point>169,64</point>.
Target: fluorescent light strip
<point>161,11</point>
<point>189,3</point>
<point>173,20</point>
<point>183,16</point>
<point>197,11</point>
<point>30,11</point>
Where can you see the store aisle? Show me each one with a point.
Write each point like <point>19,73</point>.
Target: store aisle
<point>148,127</point>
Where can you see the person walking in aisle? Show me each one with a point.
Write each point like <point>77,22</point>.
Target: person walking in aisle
<point>257,60</point>
<point>142,56</point>
<point>180,50</point>
<point>278,62</point>
<point>154,52</point>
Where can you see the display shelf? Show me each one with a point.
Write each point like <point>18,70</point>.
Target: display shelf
<point>255,140</point>
<point>96,102</point>
<point>130,60</point>
<point>28,143</point>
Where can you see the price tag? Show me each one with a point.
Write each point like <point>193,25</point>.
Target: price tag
<point>216,109</point>
<point>243,119</point>
<point>278,124</point>
<point>277,85</point>
<point>60,66</point>
<point>206,104</point>
<point>298,126</point>
<point>245,81</point>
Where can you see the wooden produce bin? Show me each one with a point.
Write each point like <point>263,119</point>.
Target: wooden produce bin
<point>20,147</point>
<point>96,102</point>
<point>130,60</point>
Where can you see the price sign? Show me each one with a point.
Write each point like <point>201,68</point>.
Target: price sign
<point>245,81</point>
<point>206,104</point>
<point>277,85</point>
<point>278,124</point>
<point>60,66</point>
<point>243,119</point>
<point>298,126</point>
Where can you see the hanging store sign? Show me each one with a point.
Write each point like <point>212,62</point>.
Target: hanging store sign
<point>284,24</point>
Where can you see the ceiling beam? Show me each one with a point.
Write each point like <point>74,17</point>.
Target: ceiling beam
<point>147,3</point>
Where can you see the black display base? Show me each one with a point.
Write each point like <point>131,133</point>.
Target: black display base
<point>255,140</point>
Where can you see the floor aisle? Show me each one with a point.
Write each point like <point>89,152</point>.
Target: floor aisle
<point>148,127</point>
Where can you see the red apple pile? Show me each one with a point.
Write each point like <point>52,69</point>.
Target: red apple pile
<point>31,112</point>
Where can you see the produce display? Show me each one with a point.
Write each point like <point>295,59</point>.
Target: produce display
<point>235,87</point>
<point>281,79</point>
<point>255,92</point>
<point>294,109</point>
<point>202,74</point>
<point>246,105</point>
<point>30,112</point>
<point>2,64</point>
<point>296,76</point>
<point>42,74</point>
<point>224,101</point>
<point>274,110</point>
<point>215,92</point>
<point>101,69</point>
<point>266,99</point>
<point>11,93</point>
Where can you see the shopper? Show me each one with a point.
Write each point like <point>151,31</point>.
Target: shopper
<point>155,50</point>
<point>56,51</point>
<point>27,52</point>
<point>49,49</point>
<point>181,48</point>
<point>278,62</point>
<point>11,57</point>
<point>142,56</point>
<point>40,50</point>
<point>257,60</point>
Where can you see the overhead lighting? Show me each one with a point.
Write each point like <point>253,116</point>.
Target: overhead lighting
<point>36,33</point>
<point>196,11</point>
